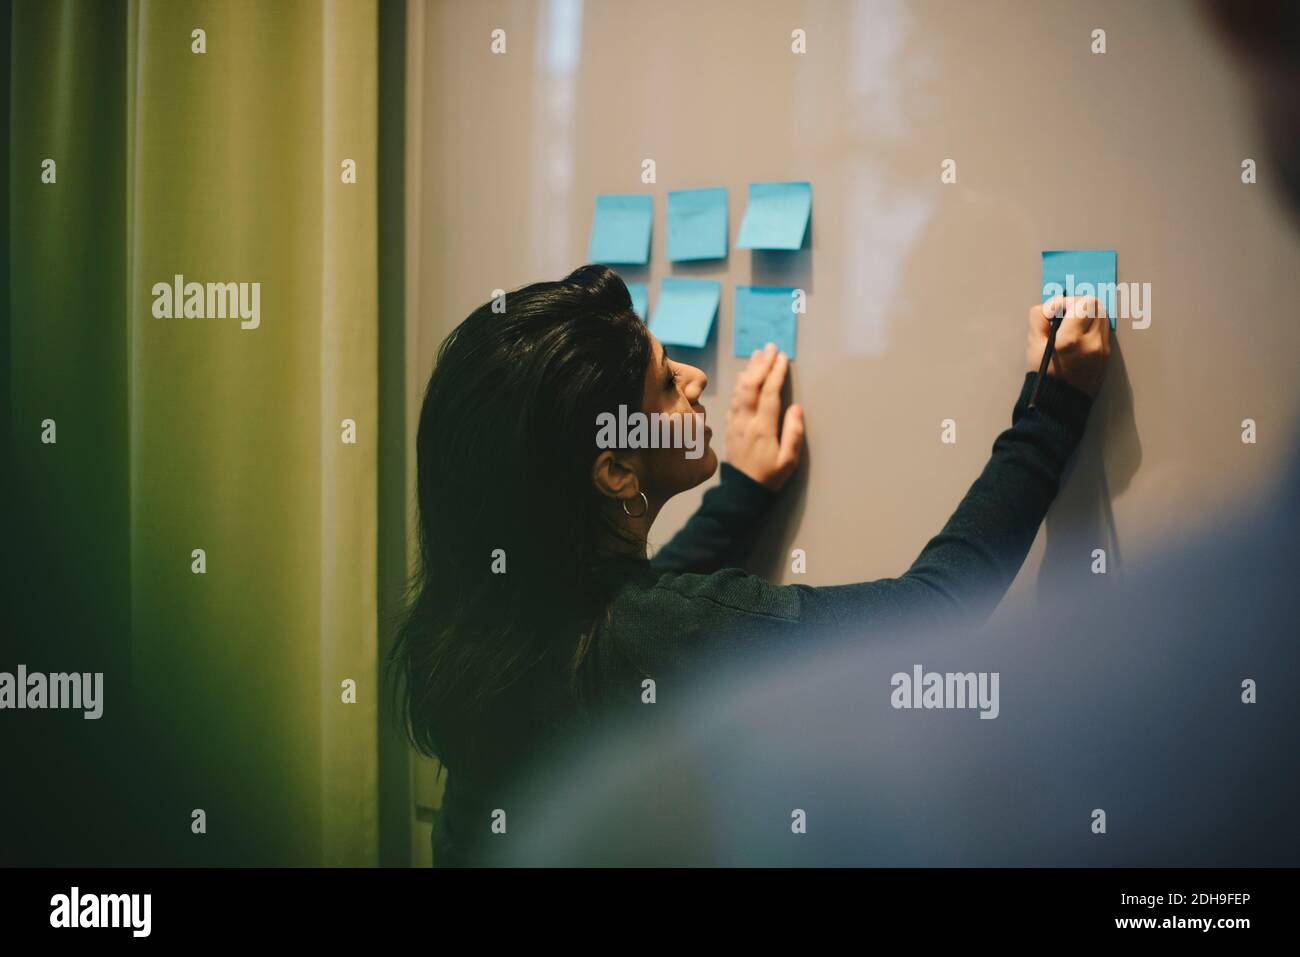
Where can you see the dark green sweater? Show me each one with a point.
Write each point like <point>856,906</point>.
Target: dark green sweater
<point>680,616</point>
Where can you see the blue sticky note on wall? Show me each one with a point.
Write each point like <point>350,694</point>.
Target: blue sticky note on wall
<point>685,310</point>
<point>620,229</point>
<point>776,216</point>
<point>1065,271</point>
<point>697,224</point>
<point>764,314</point>
<point>640,298</point>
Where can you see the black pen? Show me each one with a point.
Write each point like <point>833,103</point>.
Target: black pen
<point>1047,356</point>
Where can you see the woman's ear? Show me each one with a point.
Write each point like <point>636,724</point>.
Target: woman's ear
<point>613,478</point>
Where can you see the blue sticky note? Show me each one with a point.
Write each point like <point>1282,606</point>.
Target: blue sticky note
<point>620,230</point>
<point>640,298</point>
<point>697,224</point>
<point>1065,271</point>
<point>685,310</point>
<point>776,216</point>
<point>764,314</point>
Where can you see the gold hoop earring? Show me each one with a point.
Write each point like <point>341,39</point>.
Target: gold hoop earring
<point>640,513</point>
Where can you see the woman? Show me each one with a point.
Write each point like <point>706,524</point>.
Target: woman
<point>537,609</point>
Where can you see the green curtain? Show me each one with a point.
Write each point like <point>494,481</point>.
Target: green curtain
<point>225,681</point>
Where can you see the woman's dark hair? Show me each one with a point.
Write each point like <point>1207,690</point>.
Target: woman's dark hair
<point>506,442</point>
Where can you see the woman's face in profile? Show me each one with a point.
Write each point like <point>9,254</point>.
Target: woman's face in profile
<point>674,388</point>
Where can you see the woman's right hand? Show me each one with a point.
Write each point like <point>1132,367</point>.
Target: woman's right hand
<point>1082,341</point>
<point>760,442</point>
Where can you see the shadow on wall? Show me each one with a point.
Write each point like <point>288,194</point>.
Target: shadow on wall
<point>780,267</point>
<point>1082,519</point>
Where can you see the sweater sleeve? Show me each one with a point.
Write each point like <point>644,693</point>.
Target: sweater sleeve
<point>964,570</point>
<point>970,564</point>
<point>722,529</point>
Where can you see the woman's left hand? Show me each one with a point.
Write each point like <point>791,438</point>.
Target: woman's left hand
<point>761,442</point>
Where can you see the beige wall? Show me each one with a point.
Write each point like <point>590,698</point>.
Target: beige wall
<point>917,290</point>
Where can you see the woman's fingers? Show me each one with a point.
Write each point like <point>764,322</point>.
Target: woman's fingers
<point>1082,343</point>
<point>1053,308</point>
<point>791,439</point>
<point>750,382</point>
<point>1081,317</point>
<point>759,442</point>
<point>769,397</point>
<point>1084,319</point>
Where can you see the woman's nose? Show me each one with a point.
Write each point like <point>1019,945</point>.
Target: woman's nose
<point>699,381</point>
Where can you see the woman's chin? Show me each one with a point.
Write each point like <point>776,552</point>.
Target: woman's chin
<point>709,463</point>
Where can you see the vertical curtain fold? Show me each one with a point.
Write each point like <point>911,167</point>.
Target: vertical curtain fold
<point>201,532</point>
<point>349,392</point>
